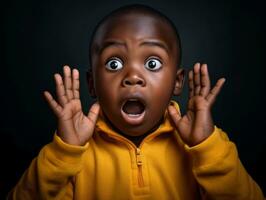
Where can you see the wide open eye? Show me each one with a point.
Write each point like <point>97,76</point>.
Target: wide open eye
<point>153,64</point>
<point>114,64</point>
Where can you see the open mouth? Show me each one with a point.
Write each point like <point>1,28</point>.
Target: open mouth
<point>133,107</point>
<point>133,111</point>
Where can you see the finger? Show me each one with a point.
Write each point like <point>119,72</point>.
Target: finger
<point>175,115</point>
<point>60,90</point>
<point>68,82</point>
<point>94,112</point>
<point>56,108</point>
<point>191,84</point>
<point>196,77</point>
<point>205,81</point>
<point>75,80</point>
<point>215,91</point>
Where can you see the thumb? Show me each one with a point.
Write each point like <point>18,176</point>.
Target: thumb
<point>174,114</point>
<point>94,112</point>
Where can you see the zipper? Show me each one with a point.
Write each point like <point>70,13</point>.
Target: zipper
<point>139,165</point>
<point>138,158</point>
<point>138,152</point>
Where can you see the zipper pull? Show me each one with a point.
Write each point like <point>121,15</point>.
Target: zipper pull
<point>138,157</point>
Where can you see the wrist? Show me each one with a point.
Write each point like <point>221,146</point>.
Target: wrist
<point>65,153</point>
<point>199,135</point>
<point>67,135</point>
<point>209,150</point>
<point>204,130</point>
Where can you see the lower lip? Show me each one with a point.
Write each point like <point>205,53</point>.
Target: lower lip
<point>133,119</point>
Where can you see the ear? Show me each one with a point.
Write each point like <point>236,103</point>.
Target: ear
<point>90,82</point>
<point>179,81</point>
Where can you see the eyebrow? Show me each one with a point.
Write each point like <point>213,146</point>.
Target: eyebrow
<point>155,43</point>
<point>110,43</point>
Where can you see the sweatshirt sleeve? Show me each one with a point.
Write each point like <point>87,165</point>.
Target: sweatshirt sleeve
<point>219,172</point>
<point>51,173</point>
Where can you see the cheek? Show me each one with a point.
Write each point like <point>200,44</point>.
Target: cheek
<point>163,84</point>
<point>106,86</point>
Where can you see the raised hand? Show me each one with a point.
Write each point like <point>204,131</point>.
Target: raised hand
<point>197,124</point>
<point>73,126</point>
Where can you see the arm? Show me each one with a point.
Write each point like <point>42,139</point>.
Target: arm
<point>51,174</point>
<point>218,170</point>
<point>215,162</point>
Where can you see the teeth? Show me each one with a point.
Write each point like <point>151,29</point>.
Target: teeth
<point>133,115</point>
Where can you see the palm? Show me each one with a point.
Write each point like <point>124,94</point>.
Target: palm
<point>73,126</point>
<point>191,123</point>
<point>74,119</point>
<point>196,125</point>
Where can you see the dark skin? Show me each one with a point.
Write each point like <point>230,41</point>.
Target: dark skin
<point>131,42</point>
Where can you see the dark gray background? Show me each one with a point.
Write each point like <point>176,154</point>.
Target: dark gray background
<point>39,37</point>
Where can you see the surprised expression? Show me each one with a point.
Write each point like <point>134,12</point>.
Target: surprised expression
<point>134,71</point>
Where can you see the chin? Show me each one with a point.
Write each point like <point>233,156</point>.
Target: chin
<point>139,130</point>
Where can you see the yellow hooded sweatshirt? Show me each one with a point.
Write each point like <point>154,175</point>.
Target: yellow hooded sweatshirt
<point>110,166</point>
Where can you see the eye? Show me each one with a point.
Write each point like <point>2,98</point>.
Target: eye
<point>153,64</point>
<point>114,64</point>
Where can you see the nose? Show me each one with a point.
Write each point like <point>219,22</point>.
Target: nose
<point>133,80</point>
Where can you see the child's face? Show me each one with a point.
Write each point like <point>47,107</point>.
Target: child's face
<point>134,72</point>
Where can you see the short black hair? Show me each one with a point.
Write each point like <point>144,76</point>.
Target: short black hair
<point>133,8</point>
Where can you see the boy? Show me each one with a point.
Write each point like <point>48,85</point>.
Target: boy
<point>134,143</point>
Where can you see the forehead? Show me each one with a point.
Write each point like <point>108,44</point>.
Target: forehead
<point>135,26</point>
